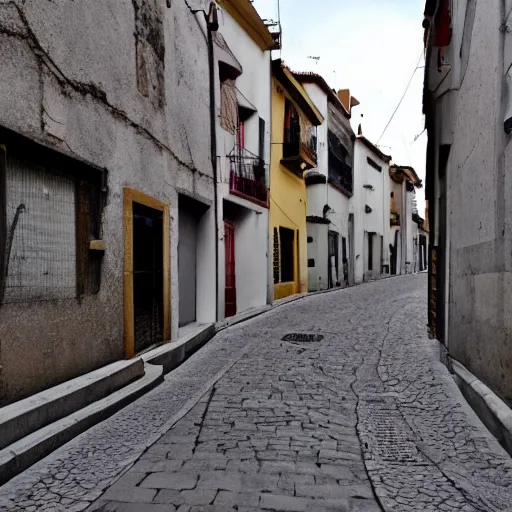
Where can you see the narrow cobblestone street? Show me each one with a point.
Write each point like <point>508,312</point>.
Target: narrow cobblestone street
<point>365,419</point>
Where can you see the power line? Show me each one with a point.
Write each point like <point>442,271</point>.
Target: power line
<point>402,98</point>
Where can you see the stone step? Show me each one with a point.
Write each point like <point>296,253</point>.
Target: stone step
<point>21,418</point>
<point>21,454</point>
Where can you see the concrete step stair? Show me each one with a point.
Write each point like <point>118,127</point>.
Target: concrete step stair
<point>21,418</point>
<point>38,425</point>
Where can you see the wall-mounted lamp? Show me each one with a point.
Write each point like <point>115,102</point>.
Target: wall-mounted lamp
<point>303,165</point>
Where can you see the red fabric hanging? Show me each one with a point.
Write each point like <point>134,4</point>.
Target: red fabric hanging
<point>443,24</point>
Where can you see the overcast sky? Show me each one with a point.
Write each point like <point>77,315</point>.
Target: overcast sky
<point>370,47</point>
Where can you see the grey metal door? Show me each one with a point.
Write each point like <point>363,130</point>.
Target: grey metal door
<point>187,265</point>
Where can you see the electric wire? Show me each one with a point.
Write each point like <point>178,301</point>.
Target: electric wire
<point>402,98</point>
<point>277,204</point>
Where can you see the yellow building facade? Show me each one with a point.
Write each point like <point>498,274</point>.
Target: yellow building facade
<point>294,121</point>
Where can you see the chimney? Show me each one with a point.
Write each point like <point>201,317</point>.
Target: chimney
<point>347,100</point>
<point>344,97</point>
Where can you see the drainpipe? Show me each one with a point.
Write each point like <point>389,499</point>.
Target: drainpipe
<point>212,26</point>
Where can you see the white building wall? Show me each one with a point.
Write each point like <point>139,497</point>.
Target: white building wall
<point>357,209</point>
<point>317,199</point>
<point>250,244</point>
<point>320,195</point>
<point>253,269</point>
<point>410,233</point>
<point>318,251</point>
<point>378,199</point>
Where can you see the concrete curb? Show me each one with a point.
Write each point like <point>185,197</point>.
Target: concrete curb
<point>495,414</point>
<point>171,355</point>
<point>22,454</point>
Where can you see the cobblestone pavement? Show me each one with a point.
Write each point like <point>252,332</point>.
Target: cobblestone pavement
<point>366,419</point>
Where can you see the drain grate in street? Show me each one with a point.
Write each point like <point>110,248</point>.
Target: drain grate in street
<point>388,436</point>
<point>302,337</point>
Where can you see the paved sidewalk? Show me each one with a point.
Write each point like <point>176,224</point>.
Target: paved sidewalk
<point>366,419</point>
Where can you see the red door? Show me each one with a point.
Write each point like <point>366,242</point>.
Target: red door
<point>230,293</point>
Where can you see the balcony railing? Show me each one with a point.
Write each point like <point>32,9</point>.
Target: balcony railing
<point>340,175</point>
<point>248,177</point>
<point>299,151</point>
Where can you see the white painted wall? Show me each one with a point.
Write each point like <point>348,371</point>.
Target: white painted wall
<point>318,250</point>
<point>317,198</point>
<point>250,257</point>
<point>251,226</point>
<point>320,195</point>
<point>410,231</point>
<point>378,200</point>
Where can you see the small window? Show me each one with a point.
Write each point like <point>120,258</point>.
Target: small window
<point>374,164</point>
<point>370,251</point>
<point>286,238</point>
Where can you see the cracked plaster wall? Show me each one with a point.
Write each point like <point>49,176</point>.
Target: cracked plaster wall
<point>470,114</point>
<point>122,85</point>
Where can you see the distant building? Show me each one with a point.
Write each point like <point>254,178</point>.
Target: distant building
<point>371,204</point>
<point>329,189</point>
<point>295,119</point>
<point>402,244</point>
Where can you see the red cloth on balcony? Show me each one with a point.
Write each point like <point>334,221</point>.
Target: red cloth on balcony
<point>443,24</point>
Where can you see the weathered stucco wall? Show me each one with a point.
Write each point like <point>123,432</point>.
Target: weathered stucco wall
<point>479,192</point>
<point>123,86</point>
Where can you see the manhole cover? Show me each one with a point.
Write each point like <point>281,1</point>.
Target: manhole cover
<point>302,337</point>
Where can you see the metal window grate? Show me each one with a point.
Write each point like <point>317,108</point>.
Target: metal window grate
<point>41,234</point>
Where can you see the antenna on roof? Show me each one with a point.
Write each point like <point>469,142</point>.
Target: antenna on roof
<point>314,58</point>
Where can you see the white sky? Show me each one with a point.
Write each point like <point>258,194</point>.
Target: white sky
<point>370,47</point>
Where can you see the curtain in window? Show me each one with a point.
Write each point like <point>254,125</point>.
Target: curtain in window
<point>228,106</point>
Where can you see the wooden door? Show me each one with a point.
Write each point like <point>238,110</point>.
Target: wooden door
<point>230,292</point>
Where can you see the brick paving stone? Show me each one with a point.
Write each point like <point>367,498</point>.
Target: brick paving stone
<point>177,481</point>
<point>292,426</point>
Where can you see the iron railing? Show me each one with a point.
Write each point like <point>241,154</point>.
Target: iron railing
<point>248,176</point>
<point>340,175</point>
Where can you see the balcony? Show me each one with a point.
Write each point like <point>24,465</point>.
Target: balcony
<point>299,155</point>
<point>248,177</point>
<point>340,175</point>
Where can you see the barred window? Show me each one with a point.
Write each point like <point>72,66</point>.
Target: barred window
<point>50,212</point>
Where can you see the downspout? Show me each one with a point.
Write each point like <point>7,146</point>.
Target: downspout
<point>213,144</point>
